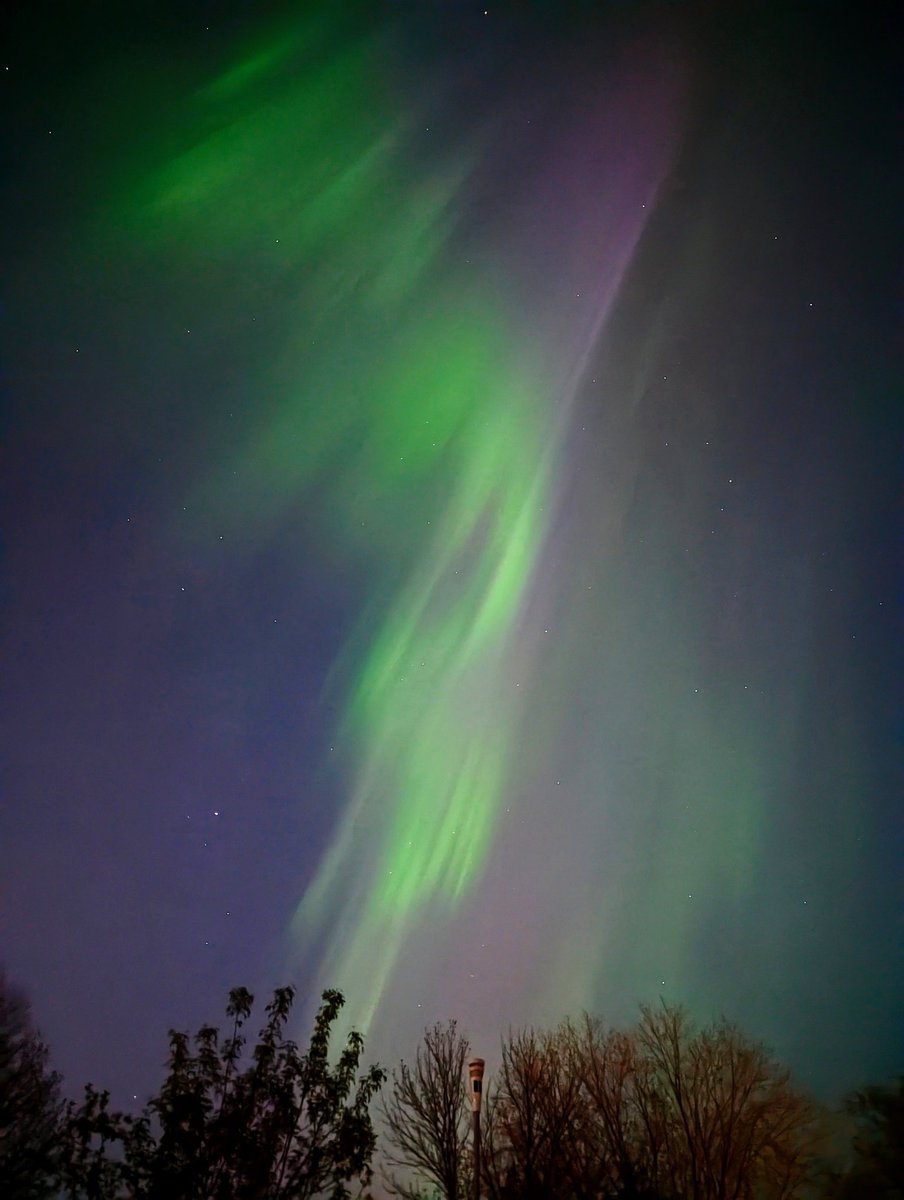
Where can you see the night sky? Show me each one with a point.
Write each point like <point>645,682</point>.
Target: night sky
<point>450,511</point>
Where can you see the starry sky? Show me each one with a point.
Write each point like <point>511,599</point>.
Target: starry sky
<point>449,510</point>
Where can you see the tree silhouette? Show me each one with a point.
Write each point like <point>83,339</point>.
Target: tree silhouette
<point>625,1131</point>
<point>534,1118</point>
<point>426,1118</point>
<point>732,1125</point>
<point>660,1112</point>
<point>876,1159</point>
<point>29,1103</point>
<point>283,1126</point>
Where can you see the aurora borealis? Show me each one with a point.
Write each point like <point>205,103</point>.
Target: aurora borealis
<point>450,522</point>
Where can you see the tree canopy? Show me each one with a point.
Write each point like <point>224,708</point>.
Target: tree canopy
<point>276,1124</point>
<point>874,1169</point>
<point>581,1112</point>
<point>29,1103</point>
<point>662,1110</point>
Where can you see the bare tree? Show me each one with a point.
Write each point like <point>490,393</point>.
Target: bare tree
<point>426,1118</point>
<point>732,1125</point>
<point>659,1112</point>
<point>655,1113</point>
<point>534,1118</point>
<point>624,1132</point>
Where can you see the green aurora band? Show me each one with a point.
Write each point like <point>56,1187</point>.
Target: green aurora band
<point>407,402</point>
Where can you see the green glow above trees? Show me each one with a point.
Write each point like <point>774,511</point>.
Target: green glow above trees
<point>426,438</point>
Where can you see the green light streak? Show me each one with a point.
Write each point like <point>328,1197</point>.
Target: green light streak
<point>434,709</point>
<point>414,421</point>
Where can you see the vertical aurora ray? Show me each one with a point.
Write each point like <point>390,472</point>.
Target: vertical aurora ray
<point>432,714</point>
<point>429,401</point>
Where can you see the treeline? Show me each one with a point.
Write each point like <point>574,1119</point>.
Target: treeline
<point>661,1111</point>
<point>657,1112</point>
